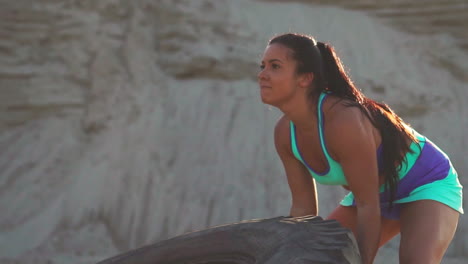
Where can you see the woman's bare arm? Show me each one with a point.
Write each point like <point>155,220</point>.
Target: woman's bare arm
<point>350,137</point>
<point>301,183</point>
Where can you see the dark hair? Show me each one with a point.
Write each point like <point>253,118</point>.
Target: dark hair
<point>329,75</point>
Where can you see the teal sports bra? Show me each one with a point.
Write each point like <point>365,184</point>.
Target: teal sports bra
<point>334,174</point>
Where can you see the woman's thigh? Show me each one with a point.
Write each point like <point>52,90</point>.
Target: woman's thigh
<point>346,216</point>
<point>427,228</point>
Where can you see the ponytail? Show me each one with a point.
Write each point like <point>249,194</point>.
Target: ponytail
<point>335,76</point>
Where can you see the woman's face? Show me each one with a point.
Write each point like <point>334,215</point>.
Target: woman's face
<point>277,79</point>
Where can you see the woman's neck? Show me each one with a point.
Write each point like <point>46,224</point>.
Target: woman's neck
<point>303,113</point>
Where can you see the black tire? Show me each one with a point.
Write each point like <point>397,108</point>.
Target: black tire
<point>280,240</point>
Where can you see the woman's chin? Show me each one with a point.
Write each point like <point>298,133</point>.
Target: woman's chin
<point>264,99</point>
<point>267,101</point>
<point>264,96</point>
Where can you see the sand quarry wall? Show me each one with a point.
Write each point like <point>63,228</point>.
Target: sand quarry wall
<point>126,122</point>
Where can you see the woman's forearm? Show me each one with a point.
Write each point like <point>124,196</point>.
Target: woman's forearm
<point>368,232</point>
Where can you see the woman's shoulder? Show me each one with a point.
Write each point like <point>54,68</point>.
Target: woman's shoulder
<point>282,133</point>
<point>338,109</point>
<point>346,115</point>
<point>282,126</point>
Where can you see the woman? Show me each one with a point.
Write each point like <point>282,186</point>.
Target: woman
<point>400,182</point>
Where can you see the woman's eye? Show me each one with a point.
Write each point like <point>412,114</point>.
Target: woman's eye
<point>275,66</point>
<point>262,67</point>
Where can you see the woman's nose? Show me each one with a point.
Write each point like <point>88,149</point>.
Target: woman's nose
<point>261,74</point>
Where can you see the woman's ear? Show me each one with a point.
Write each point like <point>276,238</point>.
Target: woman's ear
<point>306,79</point>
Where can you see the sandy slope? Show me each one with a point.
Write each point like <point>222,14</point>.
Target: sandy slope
<point>124,123</point>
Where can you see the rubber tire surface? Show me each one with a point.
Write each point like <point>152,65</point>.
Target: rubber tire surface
<point>279,240</point>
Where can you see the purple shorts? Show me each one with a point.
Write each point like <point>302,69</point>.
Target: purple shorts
<point>426,174</point>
